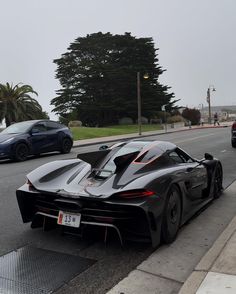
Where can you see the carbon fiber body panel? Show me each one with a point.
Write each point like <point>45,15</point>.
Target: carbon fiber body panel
<point>32,270</point>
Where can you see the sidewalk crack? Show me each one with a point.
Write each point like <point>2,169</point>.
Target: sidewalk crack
<point>160,276</point>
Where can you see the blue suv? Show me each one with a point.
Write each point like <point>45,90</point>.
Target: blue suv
<point>33,137</point>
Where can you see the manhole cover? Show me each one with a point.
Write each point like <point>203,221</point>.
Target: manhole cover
<point>32,270</point>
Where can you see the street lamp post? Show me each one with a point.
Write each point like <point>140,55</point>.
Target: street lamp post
<point>210,88</point>
<point>163,108</point>
<point>145,76</point>
<point>139,104</point>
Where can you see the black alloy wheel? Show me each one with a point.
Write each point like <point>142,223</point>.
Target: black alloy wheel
<point>66,145</point>
<point>171,216</point>
<point>21,152</point>
<point>233,143</point>
<point>218,179</point>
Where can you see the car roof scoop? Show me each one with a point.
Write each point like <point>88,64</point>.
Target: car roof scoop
<point>94,157</point>
<point>123,160</point>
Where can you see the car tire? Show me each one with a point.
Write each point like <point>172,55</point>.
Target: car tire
<point>218,179</point>
<point>21,152</point>
<point>66,145</point>
<point>233,143</point>
<point>172,216</point>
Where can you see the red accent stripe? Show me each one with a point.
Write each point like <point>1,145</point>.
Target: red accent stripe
<point>144,151</point>
<point>60,218</point>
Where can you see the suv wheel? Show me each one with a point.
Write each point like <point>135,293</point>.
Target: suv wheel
<point>21,152</point>
<point>66,145</point>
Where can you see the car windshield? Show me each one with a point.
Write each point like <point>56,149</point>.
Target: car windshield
<point>110,165</point>
<point>18,128</point>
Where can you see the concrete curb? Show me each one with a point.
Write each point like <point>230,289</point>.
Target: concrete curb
<point>102,140</point>
<point>194,281</point>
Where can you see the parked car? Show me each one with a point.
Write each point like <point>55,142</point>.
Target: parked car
<point>143,190</point>
<point>233,134</point>
<point>33,137</point>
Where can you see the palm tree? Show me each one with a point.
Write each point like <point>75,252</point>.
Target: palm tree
<point>16,104</point>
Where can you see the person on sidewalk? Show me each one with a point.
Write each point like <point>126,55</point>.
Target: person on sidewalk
<point>216,119</point>
<point>202,121</point>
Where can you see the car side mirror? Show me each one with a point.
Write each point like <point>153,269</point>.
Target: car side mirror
<point>208,156</point>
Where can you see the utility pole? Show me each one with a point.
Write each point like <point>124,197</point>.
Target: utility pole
<point>211,87</point>
<point>139,104</point>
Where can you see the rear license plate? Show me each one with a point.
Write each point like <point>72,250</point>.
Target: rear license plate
<point>69,219</point>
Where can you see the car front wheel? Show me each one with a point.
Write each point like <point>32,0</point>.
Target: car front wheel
<point>171,216</point>
<point>218,181</point>
<point>21,152</point>
<point>66,145</point>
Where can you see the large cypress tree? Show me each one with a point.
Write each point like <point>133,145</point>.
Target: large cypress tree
<point>98,76</point>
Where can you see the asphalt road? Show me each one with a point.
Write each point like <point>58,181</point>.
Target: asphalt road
<point>174,262</point>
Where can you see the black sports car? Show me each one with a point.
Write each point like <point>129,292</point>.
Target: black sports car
<point>143,190</point>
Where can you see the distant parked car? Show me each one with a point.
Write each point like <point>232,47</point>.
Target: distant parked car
<point>233,134</point>
<point>33,137</point>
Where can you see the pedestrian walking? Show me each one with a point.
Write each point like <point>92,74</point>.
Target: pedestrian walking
<point>216,119</point>
<point>202,121</point>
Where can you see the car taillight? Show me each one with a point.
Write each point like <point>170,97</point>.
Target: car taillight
<point>234,126</point>
<point>31,186</point>
<point>134,194</point>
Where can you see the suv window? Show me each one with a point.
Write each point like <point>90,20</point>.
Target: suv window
<point>51,125</point>
<point>40,127</point>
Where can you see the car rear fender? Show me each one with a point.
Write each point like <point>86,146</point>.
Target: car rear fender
<point>43,176</point>
<point>63,134</point>
<point>154,213</point>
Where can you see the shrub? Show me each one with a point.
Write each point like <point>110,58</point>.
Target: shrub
<point>161,115</point>
<point>126,121</point>
<point>144,120</point>
<point>175,119</point>
<point>155,121</point>
<point>192,115</point>
<point>75,123</point>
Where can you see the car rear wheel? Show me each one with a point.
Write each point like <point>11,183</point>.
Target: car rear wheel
<point>66,145</point>
<point>21,152</point>
<point>233,143</point>
<point>172,216</point>
<point>218,181</point>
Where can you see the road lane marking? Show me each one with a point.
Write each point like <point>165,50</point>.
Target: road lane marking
<point>196,138</point>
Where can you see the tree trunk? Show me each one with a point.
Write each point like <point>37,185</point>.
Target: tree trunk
<point>7,121</point>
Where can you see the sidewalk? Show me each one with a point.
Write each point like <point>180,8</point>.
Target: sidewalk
<point>214,274</point>
<point>102,140</point>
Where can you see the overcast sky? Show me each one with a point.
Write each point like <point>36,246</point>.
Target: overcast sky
<point>196,41</point>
